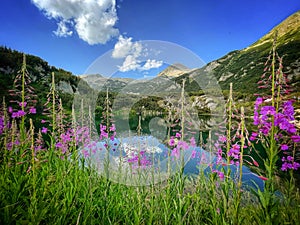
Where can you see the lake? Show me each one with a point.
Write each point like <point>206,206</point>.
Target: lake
<point>142,160</point>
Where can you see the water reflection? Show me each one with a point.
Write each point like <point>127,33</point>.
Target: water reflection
<point>156,122</point>
<point>144,160</point>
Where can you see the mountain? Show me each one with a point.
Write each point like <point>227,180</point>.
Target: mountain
<point>98,82</point>
<point>175,70</point>
<point>288,28</point>
<point>244,67</point>
<point>40,74</point>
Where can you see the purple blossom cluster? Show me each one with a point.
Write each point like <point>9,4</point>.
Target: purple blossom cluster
<point>14,140</point>
<point>80,136</point>
<point>107,133</point>
<point>289,164</point>
<point>219,145</point>
<point>234,153</point>
<point>65,140</point>
<point>179,145</point>
<point>20,113</point>
<point>139,160</point>
<point>220,174</point>
<point>1,124</point>
<point>263,115</point>
<point>266,116</point>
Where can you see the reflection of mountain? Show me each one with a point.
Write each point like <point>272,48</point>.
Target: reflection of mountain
<point>127,155</point>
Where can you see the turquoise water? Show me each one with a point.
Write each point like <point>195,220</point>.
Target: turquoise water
<point>156,153</point>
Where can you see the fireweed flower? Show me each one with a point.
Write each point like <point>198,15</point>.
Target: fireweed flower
<point>194,153</point>
<point>9,145</point>
<point>253,136</point>
<point>172,141</point>
<point>178,135</point>
<point>284,121</point>
<point>219,156</point>
<point>258,102</point>
<point>32,110</point>
<point>112,127</point>
<point>139,160</point>
<point>222,138</point>
<point>62,146</point>
<point>58,145</point>
<point>66,137</point>
<point>234,151</point>
<point>22,104</point>
<point>295,138</point>
<point>289,164</point>
<point>133,159</point>
<point>256,120</point>
<point>44,130</point>
<point>145,162</point>
<point>1,124</point>
<point>103,133</point>
<point>288,110</point>
<point>284,147</point>
<point>182,145</point>
<point>38,148</point>
<point>112,137</point>
<point>175,152</point>
<point>18,114</point>
<point>268,110</point>
<point>193,142</point>
<point>220,174</point>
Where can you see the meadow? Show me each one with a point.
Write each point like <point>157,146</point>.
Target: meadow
<point>46,176</point>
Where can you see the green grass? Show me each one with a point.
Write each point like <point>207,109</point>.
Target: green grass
<point>63,192</point>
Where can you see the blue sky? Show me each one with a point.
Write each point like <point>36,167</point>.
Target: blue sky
<point>88,29</point>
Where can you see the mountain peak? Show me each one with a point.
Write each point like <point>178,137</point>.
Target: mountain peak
<point>290,24</point>
<point>288,27</point>
<point>174,70</point>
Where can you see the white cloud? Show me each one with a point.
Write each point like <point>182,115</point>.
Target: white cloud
<point>131,51</point>
<point>130,63</point>
<point>63,30</point>
<point>151,64</point>
<point>125,46</point>
<point>93,20</point>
